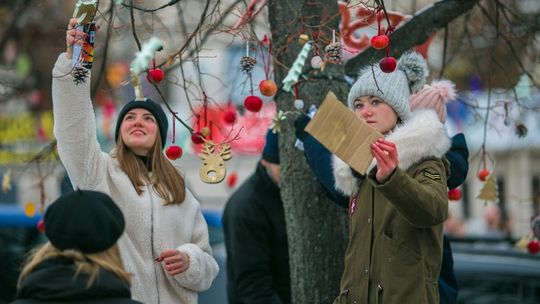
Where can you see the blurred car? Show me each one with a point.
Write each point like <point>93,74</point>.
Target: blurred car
<point>494,271</point>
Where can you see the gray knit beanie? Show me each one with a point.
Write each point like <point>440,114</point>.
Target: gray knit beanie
<point>396,87</point>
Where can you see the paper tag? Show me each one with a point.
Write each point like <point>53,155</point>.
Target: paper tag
<point>338,129</point>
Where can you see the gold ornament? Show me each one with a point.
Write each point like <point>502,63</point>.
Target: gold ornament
<point>489,191</point>
<point>302,39</point>
<point>213,169</point>
<point>277,122</point>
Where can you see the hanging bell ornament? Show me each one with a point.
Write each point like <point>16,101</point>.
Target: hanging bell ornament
<point>247,63</point>
<point>333,53</point>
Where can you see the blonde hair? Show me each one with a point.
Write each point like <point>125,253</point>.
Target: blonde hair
<point>87,263</point>
<point>165,179</point>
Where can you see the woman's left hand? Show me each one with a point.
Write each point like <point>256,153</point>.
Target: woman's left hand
<point>386,154</point>
<point>174,261</point>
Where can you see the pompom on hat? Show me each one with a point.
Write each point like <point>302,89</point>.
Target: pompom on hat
<point>434,96</point>
<point>151,107</point>
<point>393,88</point>
<point>88,221</point>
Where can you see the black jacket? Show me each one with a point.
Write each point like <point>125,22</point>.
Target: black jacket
<point>54,281</point>
<point>256,243</point>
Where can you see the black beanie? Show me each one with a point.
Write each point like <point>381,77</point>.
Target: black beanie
<point>88,221</point>
<point>153,108</point>
<point>271,149</point>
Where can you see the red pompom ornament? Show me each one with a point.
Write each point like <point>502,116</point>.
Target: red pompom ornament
<point>533,247</point>
<point>229,117</point>
<point>155,75</point>
<point>253,103</point>
<point>232,179</point>
<point>388,64</point>
<point>483,174</point>
<point>379,42</point>
<point>268,87</point>
<point>454,194</point>
<point>173,152</point>
<point>197,138</point>
<point>41,225</point>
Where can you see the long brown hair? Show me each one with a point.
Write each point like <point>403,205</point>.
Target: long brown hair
<point>89,263</point>
<point>165,179</point>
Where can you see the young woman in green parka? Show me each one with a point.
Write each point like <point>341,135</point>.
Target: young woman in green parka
<point>396,210</point>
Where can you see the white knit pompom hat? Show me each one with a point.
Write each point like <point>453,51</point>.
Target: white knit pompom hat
<point>396,87</point>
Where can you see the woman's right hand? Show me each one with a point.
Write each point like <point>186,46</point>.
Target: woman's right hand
<point>73,36</point>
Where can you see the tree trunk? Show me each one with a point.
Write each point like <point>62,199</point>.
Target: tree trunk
<point>316,227</point>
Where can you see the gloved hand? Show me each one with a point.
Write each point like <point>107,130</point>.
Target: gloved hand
<point>299,125</point>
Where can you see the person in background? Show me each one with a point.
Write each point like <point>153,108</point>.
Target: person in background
<point>256,236</point>
<point>80,263</point>
<point>397,208</point>
<point>434,96</point>
<point>319,160</point>
<point>166,245</point>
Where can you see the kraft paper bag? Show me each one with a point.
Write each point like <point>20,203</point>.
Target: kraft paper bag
<point>338,129</point>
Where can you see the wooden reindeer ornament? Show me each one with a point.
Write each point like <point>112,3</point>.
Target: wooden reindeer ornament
<point>213,169</point>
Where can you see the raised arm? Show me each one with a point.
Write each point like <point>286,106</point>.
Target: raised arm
<point>74,121</point>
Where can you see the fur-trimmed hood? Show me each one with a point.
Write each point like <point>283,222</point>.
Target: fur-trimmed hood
<point>421,137</point>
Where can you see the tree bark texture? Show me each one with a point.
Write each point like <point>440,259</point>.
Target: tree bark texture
<point>316,227</point>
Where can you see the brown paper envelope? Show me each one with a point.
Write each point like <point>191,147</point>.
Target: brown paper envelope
<point>338,129</point>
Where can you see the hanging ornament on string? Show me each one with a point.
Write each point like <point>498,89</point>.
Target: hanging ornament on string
<point>267,87</point>
<point>247,62</point>
<point>298,103</point>
<point>230,114</point>
<point>316,61</point>
<point>173,151</point>
<point>213,168</point>
<point>489,191</point>
<point>154,74</point>
<point>252,103</point>
<point>139,64</point>
<point>333,51</point>
<point>379,41</point>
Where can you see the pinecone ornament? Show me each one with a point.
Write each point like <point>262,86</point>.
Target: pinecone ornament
<point>333,53</point>
<point>80,75</point>
<point>247,63</point>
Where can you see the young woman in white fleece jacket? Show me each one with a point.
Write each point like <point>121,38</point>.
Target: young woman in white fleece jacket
<point>165,245</point>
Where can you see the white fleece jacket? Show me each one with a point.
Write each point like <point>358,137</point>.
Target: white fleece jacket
<point>150,226</point>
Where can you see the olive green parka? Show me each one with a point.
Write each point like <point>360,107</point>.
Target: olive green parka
<point>395,247</point>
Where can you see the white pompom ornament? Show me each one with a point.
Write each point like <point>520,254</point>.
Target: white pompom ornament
<point>316,62</point>
<point>299,104</point>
